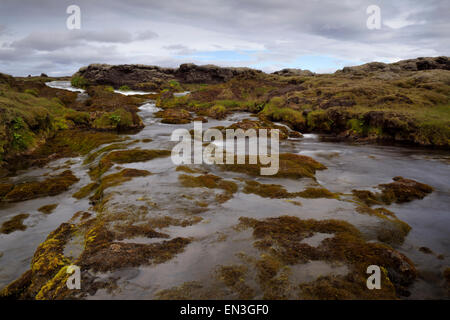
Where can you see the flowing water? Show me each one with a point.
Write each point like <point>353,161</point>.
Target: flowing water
<point>217,242</point>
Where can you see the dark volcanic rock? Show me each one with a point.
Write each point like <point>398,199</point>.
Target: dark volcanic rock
<point>140,76</point>
<point>127,74</point>
<point>191,73</point>
<point>400,66</point>
<point>293,72</point>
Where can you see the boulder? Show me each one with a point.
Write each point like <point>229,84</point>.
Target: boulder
<point>289,72</point>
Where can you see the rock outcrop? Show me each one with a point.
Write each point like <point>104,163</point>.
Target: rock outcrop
<point>289,72</point>
<point>143,76</point>
<point>418,64</point>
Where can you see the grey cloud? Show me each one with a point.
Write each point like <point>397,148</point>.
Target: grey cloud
<point>146,35</point>
<point>286,29</point>
<point>50,41</point>
<point>180,49</point>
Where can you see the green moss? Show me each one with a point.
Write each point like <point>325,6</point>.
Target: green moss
<point>111,147</point>
<point>273,191</point>
<point>217,112</point>
<point>86,190</point>
<point>79,82</point>
<point>119,119</point>
<point>211,182</point>
<point>234,278</point>
<point>274,111</point>
<point>183,168</point>
<point>174,116</point>
<point>5,188</point>
<point>257,125</point>
<point>291,166</point>
<point>404,190</point>
<point>280,238</point>
<point>357,126</point>
<point>116,179</point>
<point>49,187</point>
<point>313,193</point>
<point>369,198</point>
<point>47,209</point>
<point>318,121</point>
<point>125,156</point>
<point>399,191</point>
<point>102,254</point>
<point>56,288</point>
<point>33,92</point>
<point>46,266</point>
<point>14,224</point>
<point>393,231</point>
<point>78,117</point>
<point>124,88</point>
<point>71,143</point>
<point>184,292</point>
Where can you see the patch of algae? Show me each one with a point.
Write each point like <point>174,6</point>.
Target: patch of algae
<point>48,209</point>
<point>400,191</point>
<point>125,156</point>
<point>210,181</point>
<point>393,231</point>
<point>14,224</point>
<point>49,187</point>
<point>86,190</point>
<point>292,166</point>
<point>280,240</point>
<point>276,191</point>
<point>116,179</point>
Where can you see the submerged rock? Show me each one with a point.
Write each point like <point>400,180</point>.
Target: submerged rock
<point>399,191</point>
<point>14,224</point>
<point>49,187</point>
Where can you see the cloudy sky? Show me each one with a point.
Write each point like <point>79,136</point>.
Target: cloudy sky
<point>319,35</point>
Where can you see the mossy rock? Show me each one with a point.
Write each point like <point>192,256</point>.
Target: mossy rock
<point>14,224</point>
<point>48,209</point>
<point>292,166</point>
<point>49,187</point>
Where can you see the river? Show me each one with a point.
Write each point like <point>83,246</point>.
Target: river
<point>350,166</point>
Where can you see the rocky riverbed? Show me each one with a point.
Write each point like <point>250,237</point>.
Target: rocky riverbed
<point>142,227</point>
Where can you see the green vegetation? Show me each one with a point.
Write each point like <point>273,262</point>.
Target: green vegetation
<point>79,82</point>
<point>276,111</point>
<point>124,88</point>
<point>119,119</point>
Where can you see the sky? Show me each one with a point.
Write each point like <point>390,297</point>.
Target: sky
<point>319,35</point>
